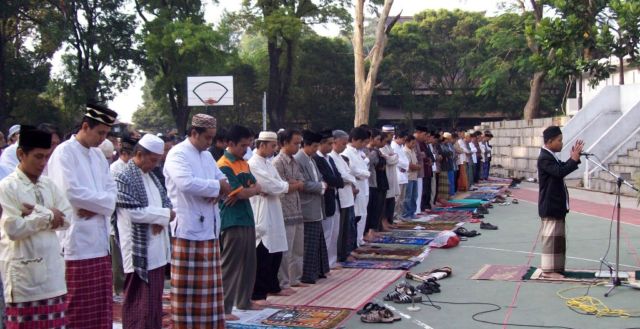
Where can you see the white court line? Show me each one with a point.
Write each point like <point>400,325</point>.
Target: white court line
<point>538,254</point>
<point>408,317</point>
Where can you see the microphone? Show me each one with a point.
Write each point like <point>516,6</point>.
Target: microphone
<point>586,154</point>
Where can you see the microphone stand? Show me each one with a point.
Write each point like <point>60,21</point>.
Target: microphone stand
<point>615,278</point>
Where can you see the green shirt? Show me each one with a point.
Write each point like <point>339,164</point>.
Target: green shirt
<point>239,177</point>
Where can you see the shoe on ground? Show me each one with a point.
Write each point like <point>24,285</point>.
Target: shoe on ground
<point>488,226</point>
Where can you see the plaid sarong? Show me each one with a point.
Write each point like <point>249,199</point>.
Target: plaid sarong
<point>142,307</point>
<point>554,245</point>
<point>197,299</point>
<point>315,259</point>
<point>89,296</point>
<point>133,195</point>
<point>40,314</point>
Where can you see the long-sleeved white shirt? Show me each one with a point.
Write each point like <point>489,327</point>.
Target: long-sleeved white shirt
<point>193,183</point>
<point>267,208</point>
<point>83,174</point>
<point>360,170</point>
<point>9,156</point>
<point>466,152</point>
<point>30,261</point>
<point>392,159</point>
<point>403,163</point>
<point>474,152</point>
<point>346,193</point>
<point>158,251</point>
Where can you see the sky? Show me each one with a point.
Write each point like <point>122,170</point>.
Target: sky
<point>128,101</point>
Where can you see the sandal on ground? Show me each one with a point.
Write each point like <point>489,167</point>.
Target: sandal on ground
<point>488,226</point>
<point>387,314</point>
<point>392,296</point>
<point>406,299</point>
<point>368,308</point>
<point>461,231</point>
<point>425,288</point>
<point>375,317</point>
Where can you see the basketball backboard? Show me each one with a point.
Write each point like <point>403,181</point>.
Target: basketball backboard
<point>210,91</point>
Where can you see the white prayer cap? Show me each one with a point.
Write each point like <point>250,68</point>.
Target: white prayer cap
<point>446,135</point>
<point>267,136</point>
<point>388,129</point>
<point>107,149</point>
<point>15,129</point>
<point>152,143</point>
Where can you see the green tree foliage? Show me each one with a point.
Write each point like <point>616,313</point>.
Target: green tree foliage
<point>30,33</point>
<point>322,96</point>
<point>100,48</point>
<point>177,43</point>
<point>282,23</point>
<point>154,115</point>
<point>621,32</point>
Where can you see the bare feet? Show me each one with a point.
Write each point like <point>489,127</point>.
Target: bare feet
<point>552,275</point>
<point>231,317</point>
<point>337,268</point>
<point>261,302</point>
<point>300,285</point>
<point>369,236</point>
<point>284,292</point>
<point>256,306</point>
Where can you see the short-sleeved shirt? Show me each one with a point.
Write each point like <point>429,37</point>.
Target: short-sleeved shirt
<point>240,177</point>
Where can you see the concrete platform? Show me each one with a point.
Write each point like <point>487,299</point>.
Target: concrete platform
<point>534,303</point>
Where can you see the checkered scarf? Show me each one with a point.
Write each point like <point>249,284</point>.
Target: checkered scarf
<point>132,195</point>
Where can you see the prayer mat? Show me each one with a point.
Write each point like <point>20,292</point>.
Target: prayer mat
<point>430,226</point>
<point>166,310</point>
<point>345,288</point>
<point>501,272</point>
<point>410,234</point>
<point>308,317</point>
<point>574,276</point>
<point>401,240</point>
<point>253,319</point>
<point>380,264</point>
<point>381,249</point>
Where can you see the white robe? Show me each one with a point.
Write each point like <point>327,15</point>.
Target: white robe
<point>83,174</point>
<point>267,209</point>
<point>360,170</point>
<point>392,176</point>
<point>193,184</point>
<point>158,250</point>
<point>345,194</point>
<point>9,156</point>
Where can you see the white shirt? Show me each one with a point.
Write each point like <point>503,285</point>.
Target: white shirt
<point>193,181</point>
<point>346,193</point>
<point>360,170</point>
<point>474,150</point>
<point>392,175</point>
<point>9,156</point>
<point>403,163</point>
<point>117,166</point>
<point>267,209</point>
<point>83,174</point>
<point>158,252</point>
<point>465,155</point>
<point>483,151</point>
<point>30,261</point>
<point>5,171</point>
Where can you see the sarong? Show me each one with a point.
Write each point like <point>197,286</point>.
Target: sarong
<point>41,314</point>
<point>463,184</point>
<point>554,245</point>
<point>142,307</point>
<point>89,293</point>
<point>197,299</point>
<point>315,259</point>
<point>443,185</point>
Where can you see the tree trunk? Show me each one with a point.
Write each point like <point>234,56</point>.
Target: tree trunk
<point>273,89</point>
<point>179,112</point>
<point>532,108</point>
<point>621,66</point>
<point>365,82</point>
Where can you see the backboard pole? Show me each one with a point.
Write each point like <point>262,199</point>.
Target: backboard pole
<point>264,112</point>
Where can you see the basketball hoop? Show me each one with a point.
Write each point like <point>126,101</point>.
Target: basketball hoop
<point>210,101</point>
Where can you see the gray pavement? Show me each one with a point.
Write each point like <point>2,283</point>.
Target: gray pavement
<point>536,303</point>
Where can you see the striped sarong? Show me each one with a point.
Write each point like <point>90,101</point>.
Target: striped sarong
<point>443,185</point>
<point>41,314</point>
<point>315,260</point>
<point>90,294</point>
<point>554,245</point>
<point>197,299</point>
